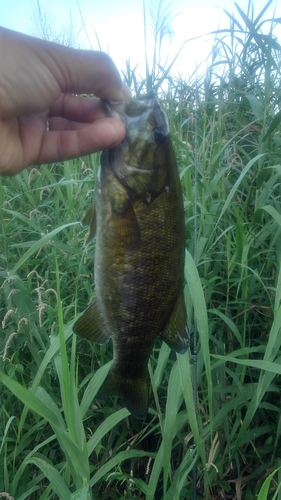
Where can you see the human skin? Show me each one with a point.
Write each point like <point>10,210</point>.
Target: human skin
<point>40,83</point>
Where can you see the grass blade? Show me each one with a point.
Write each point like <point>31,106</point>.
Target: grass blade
<point>117,460</point>
<point>106,426</point>
<point>56,481</point>
<point>265,487</point>
<point>200,311</point>
<point>237,184</point>
<point>30,400</point>
<point>38,244</point>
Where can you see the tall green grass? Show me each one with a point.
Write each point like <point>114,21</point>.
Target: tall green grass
<point>56,439</point>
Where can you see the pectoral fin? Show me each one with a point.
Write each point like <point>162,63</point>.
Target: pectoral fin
<point>90,325</point>
<point>124,219</point>
<point>176,332</point>
<point>127,228</point>
<point>89,220</point>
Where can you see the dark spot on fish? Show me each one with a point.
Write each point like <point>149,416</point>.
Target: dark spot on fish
<point>160,135</point>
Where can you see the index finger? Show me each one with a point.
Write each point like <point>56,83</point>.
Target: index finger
<point>80,109</point>
<point>86,72</point>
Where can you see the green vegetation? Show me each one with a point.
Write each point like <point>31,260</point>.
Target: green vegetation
<point>56,439</point>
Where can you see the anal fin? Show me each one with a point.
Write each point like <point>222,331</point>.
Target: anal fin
<point>90,325</point>
<point>176,332</point>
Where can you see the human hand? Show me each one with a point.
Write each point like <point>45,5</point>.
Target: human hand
<point>37,80</point>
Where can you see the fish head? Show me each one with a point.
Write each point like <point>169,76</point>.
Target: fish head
<point>141,161</point>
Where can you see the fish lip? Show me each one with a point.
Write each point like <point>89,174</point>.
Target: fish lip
<point>108,104</point>
<point>116,109</point>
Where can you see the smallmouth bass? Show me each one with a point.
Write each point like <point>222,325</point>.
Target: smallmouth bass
<point>138,221</point>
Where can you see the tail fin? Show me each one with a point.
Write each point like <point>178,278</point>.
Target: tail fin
<point>133,391</point>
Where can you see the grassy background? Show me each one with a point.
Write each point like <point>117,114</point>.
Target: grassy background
<point>56,440</point>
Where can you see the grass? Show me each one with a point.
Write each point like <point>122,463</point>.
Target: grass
<point>57,440</point>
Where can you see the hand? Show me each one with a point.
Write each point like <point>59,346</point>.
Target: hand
<point>37,80</point>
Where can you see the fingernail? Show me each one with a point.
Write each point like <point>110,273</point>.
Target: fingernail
<point>126,91</point>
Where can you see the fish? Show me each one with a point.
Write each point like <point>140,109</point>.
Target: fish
<point>138,221</point>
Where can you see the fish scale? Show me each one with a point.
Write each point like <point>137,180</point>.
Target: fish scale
<point>138,222</point>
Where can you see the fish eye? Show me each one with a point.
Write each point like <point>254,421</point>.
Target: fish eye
<point>159,135</point>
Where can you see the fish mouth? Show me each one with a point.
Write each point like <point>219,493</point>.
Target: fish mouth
<point>111,103</point>
<point>114,109</point>
<point>138,108</point>
<point>136,160</point>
